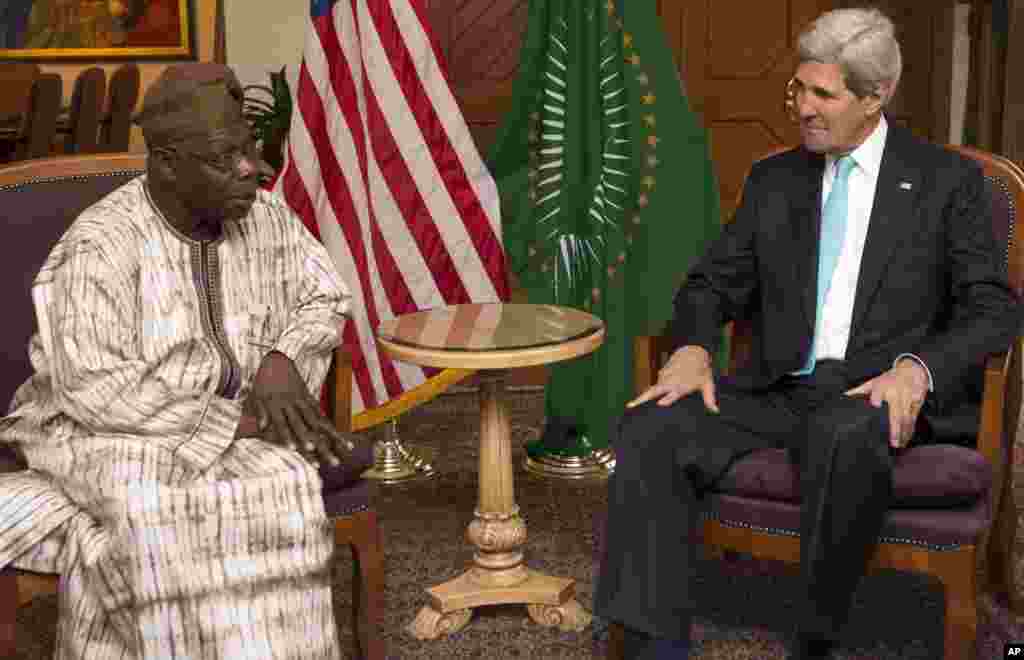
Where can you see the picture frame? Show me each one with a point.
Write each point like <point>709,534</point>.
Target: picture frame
<point>55,30</point>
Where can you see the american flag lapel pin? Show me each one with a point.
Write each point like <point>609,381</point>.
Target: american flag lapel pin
<point>906,185</point>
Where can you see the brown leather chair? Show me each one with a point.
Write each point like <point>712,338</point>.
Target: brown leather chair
<point>41,127</point>
<point>756,507</point>
<point>83,121</point>
<point>116,124</point>
<point>39,199</point>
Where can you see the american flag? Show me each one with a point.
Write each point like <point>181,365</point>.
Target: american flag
<point>381,167</point>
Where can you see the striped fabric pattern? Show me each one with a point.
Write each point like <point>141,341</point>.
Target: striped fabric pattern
<point>172,539</point>
<point>236,565</point>
<point>381,167</point>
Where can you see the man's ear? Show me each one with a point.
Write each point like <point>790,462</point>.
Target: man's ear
<point>161,161</point>
<point>873,103</point>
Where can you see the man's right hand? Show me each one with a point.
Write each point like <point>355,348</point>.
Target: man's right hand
<point>688,370</point>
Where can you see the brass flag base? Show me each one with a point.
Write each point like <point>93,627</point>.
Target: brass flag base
<point>595,466</point>
<point>394,463</point>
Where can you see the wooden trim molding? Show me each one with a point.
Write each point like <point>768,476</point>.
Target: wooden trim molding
<point>1013,94</point>
<point>220,37</point>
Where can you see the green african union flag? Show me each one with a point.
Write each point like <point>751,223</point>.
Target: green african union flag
<point>607,191</point>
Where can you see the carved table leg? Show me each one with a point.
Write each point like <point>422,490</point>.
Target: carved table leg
<point>498,575</point>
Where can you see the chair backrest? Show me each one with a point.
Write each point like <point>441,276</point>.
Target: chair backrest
<point>16,80</point>
<point>38,201</point>
<point>86,109</point>
<point>116,125</point>
<point>1006,189</point>
<point>42,117</point>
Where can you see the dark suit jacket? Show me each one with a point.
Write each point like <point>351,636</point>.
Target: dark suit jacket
<point>932,281</point>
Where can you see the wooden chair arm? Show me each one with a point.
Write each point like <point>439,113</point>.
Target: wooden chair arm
<point>1001,398</point>
<point>649,353</point>
<point>339,389</point>
<point>990,430</point>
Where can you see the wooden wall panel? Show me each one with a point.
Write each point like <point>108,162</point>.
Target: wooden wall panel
<point>480,40</point>
<point>734,57</point>
<point>735,73</point>
<point>925,32</point>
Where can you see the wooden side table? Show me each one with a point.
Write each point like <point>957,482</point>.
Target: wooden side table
<point>494,338</point>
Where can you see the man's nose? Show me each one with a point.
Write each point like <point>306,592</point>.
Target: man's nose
<point>805,109</point>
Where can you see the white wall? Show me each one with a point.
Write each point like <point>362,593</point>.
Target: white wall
<point>264,35</point>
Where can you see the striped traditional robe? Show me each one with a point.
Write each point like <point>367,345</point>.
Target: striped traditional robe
<point>172,541</point>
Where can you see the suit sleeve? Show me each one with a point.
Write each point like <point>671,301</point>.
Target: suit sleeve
<point>985,314</point>
<point>722,283</point>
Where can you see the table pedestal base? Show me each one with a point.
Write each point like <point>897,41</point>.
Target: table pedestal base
<point>498,575</point>
<point>549,600</point>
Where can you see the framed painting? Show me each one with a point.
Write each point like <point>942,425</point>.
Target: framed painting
<point>96,29</point>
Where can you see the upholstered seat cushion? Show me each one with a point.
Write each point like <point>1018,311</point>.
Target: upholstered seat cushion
<point>923,477</point>
<point>938,528</point>
<point>348,473</point>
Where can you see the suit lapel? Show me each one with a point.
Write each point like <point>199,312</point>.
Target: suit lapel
<point>806,214</point>
<point>891,219</point>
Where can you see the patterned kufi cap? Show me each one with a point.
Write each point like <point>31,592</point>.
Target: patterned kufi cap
<point>189,100</point>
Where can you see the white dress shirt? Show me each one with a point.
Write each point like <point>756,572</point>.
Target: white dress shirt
<point>833,329</point>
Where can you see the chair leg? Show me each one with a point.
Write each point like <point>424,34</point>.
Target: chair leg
<point>1000,574</point>
<point>368,586</point>
<point>616,641</point>
<point>957,572</point>
<point>8,611</point>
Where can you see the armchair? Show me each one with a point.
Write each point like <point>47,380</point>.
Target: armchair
<point>40,198</point>
<point>756,507</point>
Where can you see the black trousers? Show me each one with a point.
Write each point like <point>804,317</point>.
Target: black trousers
<point>668,457</point>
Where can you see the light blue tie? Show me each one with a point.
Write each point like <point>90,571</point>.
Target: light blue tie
<point>833,230</point>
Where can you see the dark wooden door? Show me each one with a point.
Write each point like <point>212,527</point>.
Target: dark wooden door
<point>736,58</point>
<point>925,32</point>
<point>480,40</point>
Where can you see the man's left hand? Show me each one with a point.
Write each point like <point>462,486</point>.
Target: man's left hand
<point>904,388</point>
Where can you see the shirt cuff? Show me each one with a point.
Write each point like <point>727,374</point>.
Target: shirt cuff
<point>931,384</point>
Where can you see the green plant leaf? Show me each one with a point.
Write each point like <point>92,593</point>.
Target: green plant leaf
<point>268,109</point>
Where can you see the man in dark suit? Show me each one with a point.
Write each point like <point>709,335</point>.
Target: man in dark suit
<point>866,259</point>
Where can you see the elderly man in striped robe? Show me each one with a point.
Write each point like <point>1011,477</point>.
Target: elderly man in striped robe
<point>170,430</point>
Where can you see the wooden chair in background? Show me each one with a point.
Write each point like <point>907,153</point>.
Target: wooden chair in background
<point>116,124</point>
<point>756,507</point>
<point>39,200</point>
<point>83,122</point>
<point>41,126</point>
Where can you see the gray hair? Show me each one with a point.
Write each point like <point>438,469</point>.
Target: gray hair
<point>862,42</point>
